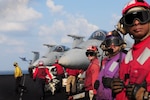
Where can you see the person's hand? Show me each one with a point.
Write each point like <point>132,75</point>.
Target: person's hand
<point>107,82</point>
<point>137,92</point>
<point>142,94</point>
<point>96,84</point>
<point>117,85</point>
<point>129,91</point>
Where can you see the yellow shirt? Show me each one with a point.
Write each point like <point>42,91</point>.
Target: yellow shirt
<point>17,72</point>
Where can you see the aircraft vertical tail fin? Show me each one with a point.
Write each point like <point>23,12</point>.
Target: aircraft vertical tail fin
<point>77,40</point>
<point>35,56</point>
<point>50,47</point>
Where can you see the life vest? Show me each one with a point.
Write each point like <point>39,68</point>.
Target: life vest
<point>40,72</point>
<point>109,69</point>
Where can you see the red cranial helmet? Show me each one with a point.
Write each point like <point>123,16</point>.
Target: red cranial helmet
<point>92,51</point>
<point>92,48</point>
<point>41,63</point>
<point>135,3</point>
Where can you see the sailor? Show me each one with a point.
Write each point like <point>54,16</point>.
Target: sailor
<point>18,77</point>
<point>113,46</point>
<point>91,73</point>
<point>40,76</point>
<point>134,81</point>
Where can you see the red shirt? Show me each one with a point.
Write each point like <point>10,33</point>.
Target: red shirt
<point>92,75</point>
<point>73,72</point>
<point>137,65</point>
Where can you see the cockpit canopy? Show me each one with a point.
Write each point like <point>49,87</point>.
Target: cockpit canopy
<point>99,35</point>
<point>61,48</point>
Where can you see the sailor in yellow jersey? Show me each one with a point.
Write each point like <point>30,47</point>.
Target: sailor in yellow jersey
<point>18,77</point>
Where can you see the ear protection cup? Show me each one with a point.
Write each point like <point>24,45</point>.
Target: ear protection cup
<point>120,27</point>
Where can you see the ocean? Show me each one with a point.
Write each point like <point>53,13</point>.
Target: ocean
<point>12,72</point>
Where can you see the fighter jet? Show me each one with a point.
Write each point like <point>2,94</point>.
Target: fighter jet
<point>54,52</point>
<point>75,58</point>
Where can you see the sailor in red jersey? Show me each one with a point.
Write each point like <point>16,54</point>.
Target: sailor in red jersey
<point>134,82</point>
<point>91,73</point>
<point>40,77</point>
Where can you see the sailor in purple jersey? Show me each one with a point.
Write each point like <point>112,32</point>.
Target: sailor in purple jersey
<point>113,46</point>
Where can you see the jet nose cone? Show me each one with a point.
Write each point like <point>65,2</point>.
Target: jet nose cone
<point>74,58</point>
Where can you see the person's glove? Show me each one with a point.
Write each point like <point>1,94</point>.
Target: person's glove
<point>117,85</point>
<point>107,82</point>
<point>137,92</point>
<point>130,89</point>
<point>96,84</point>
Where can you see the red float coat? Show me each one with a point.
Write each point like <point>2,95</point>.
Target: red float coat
<point>41,72</point>
<point>92,75</point>
<point>137,65</point>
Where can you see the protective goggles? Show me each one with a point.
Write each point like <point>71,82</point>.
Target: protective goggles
<point>89,53</point>
<point>114,41</point>
<point>142,16</point>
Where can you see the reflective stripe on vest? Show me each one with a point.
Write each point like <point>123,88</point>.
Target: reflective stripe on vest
<point>128,57</point>
<point>113,66</point>
<point>144,56</point>
<point>141,59</point>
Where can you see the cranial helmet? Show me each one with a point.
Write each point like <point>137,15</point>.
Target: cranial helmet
<point>92,48</point>
<point>135,3</point>
<point>114,38</point>
<point>56,61</point>
<point>92,51</point>
<point>41,63</point>
<point>15,64</point>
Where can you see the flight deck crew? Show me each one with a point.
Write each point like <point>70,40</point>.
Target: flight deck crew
<point>91,73</point>
<point>71,81</point>
<point>18,77</point>
<point>60,74</point>
<point>113,46</point>
<point>40,77</point>
<point>134,81</point>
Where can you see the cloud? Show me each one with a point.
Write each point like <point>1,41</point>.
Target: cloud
<point>17,18</point>
<point>16,14</point>
<point>9,41</point>
<point>68,24</point>
<point>60,28</point>
<point>12,26</point>
<point>54,8</point>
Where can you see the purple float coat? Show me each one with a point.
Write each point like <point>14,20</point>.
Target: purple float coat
<point>109,69</point>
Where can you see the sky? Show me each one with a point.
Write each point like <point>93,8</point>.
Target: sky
<point>28,24</point>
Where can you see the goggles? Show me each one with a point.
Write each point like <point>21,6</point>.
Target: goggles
<point>142,16</point>
<point>89,53</point>
<point>115,41</point>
